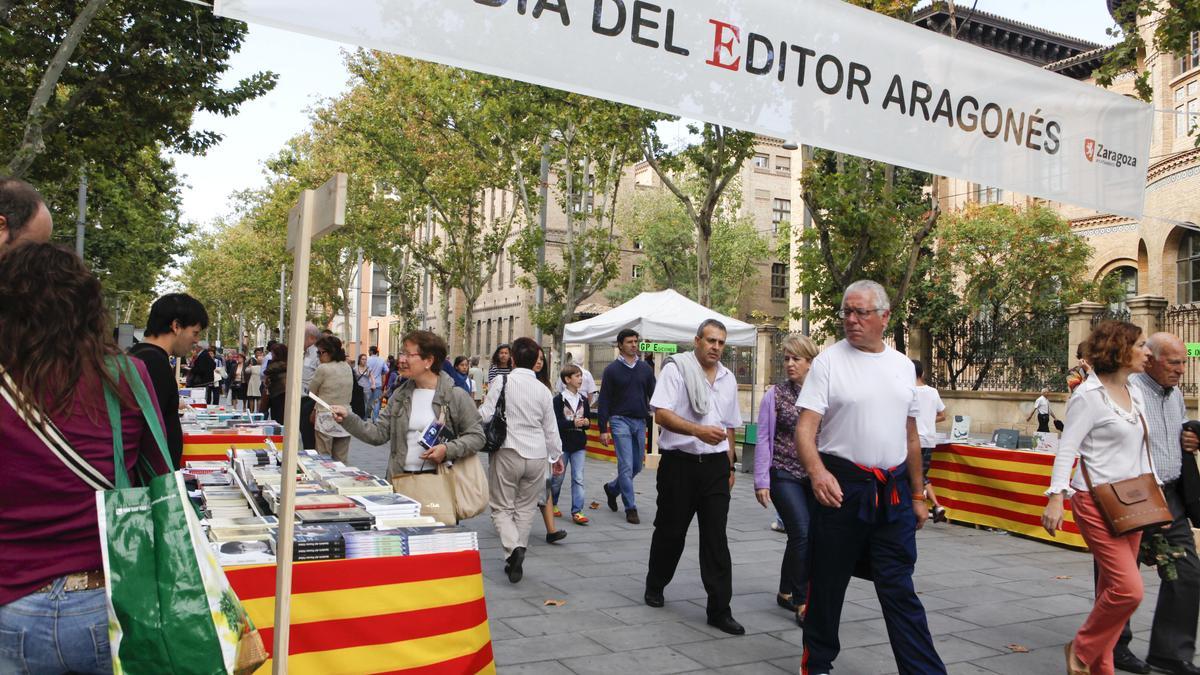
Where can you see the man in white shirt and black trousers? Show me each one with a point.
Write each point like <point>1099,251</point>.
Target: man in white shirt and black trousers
<point>857,437</point>
<point>695,402</point>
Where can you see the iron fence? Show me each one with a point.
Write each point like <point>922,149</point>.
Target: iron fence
<point>1111,314</point>
<point>1184,321</point>
<point>1015,353</point>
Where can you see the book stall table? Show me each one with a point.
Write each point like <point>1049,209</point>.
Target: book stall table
<point>211,447</point>
<point>999,488</point>
<point>420,614</point>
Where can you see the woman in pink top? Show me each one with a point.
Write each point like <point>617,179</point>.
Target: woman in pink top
<point>54,340</point>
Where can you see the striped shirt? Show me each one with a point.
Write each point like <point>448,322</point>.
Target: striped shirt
<point>1165,415</point>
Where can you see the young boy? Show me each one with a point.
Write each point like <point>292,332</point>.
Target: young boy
<point>932,411</point>
<point>572,410</point>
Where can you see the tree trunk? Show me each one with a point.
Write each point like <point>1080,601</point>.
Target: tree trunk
<point>444,306</point>
<point>32,143</point>
<point>703,269</point>
<point>468,325</point>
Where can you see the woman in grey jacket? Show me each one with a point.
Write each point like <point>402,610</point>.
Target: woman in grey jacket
<point>426,397</point>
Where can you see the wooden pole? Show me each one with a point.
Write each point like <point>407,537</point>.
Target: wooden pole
<point>291,432</point>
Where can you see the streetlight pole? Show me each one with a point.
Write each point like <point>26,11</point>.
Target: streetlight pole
<point>543,193</point>
<point>81,212</point>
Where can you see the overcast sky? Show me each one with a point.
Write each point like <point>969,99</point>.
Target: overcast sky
<point>311,69</point>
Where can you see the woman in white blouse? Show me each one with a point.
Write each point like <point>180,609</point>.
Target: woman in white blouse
<point>1105,430</point>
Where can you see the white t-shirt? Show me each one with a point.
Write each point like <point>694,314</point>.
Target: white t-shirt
<point>670,393</point>
<point>419,418</point>
<point>929,403</point>
<point>865,400</point>
<point>1043,405</point>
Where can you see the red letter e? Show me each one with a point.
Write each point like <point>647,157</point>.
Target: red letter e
<point>726,45</point>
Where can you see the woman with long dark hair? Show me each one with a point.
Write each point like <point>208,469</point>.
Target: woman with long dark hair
<point>57,359</point>
<point>502,363</point>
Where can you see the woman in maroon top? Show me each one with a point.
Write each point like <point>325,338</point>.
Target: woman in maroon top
<point>54,340</point>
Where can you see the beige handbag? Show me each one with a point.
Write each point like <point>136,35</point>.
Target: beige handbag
<point>470,487</point>
<point>435,491</point>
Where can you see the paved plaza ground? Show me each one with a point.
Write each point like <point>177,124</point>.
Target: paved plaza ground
<point>996,603</point>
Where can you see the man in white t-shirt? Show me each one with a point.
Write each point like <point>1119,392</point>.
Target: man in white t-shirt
<point>931,410</point>
<point>865,467</point>
<point>1042,407</point>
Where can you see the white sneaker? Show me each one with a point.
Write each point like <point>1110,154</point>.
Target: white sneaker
<point>777,526</point>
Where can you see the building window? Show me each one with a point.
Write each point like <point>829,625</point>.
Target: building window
<point>1188,268</point>
<point>511,321</point>
<point>762,161</point>
<point>779,281</point>
<point>781,212</point>
<point>635,272</point>
<point>478,337</point>
<point>1190,60</point>
<point>512,274</point>
<point>1127,277</point>
<point>783,163</point>
<point>1193,116</point>
<point>379,292</point>
<point>487,334</point>
<point>987,195</point>
<point>500,330</point>
<point>637,244</point>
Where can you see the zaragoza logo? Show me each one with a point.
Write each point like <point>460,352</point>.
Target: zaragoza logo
<point>1098,152</point>
<point>1089,149</point>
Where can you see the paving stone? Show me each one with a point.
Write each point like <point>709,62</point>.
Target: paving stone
<point>626,638</point>
<point>741,649</point>
<point>528,650</point>
<point>994,614</point>
<point>558,623</point>
<point>652,661</point>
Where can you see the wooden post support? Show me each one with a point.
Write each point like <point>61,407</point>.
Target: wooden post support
<point>319,211</point>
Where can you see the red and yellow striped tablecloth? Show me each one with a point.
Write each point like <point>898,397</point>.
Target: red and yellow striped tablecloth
<point>212,447</point>
<point>1000,488</point>
<point>418,615</point>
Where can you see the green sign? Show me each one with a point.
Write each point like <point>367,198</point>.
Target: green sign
<point>1193,349</point>
<point>662,347</point>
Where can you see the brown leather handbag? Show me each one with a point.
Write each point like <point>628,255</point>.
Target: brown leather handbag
<point>1131,504</point>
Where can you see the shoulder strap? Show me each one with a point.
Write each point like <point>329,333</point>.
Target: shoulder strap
<point>49,434</point>
<point>501,405</point>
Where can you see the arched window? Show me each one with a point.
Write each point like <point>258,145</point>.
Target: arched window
<point>1188,267</point>
<point>1127,277</point>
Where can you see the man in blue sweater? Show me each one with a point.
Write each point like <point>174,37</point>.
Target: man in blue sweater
<point>625,390</point>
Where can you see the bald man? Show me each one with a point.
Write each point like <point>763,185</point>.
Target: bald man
<point>1173,634</point>
<point>24,217</point>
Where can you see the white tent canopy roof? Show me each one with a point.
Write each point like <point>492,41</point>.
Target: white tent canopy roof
<point>665,316</point>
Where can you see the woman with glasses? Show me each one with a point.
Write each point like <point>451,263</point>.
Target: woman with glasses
<point>333,382</point>
<point>779,476</point>
<point>424,401</point>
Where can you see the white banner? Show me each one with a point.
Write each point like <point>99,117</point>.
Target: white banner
<point>819,72</point>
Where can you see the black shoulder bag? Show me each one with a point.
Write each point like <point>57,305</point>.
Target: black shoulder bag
<point>496,430</point>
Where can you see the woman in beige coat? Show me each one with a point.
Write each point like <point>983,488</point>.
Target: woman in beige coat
<point>333,382</point>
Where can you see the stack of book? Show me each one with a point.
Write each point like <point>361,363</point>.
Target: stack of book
<point>319,542</point>
<point>351,481</point>
<point>254,552</point>
<point>245,528</point>
<point>225,502</point>
<point>322,500</point>
<point>422,540</point>
<point>357,518</point>
<point>374,544</point>
<point>392,510</point>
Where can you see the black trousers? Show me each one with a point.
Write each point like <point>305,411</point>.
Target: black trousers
<point>686,488</point>
<point>1043,421</point>
<point>308,434</point>
<point>840,542</point>
<point>1173,633</point>
<point>212,394</point>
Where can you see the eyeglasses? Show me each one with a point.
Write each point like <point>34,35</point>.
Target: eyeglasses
<point>845,312</point>
<point>411,356</point>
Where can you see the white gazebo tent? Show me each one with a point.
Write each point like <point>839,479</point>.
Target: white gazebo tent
<point>665,316</point>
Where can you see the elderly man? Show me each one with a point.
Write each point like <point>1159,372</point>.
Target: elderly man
<point>1173,634</point>
<point>695,402</point>
<point>23,214</point>
<point>858,440</point>
<point>308,433</point>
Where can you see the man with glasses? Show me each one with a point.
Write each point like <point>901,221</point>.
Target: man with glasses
<point>858,440</point>
<point>1173,634</point>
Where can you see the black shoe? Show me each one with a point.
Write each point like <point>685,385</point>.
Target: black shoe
<point>939,515</point>
<point>513,568</point>
<point>631,517</point>
<point>612,497</point>
<point>727,625</point>
<point>1172,666</point>
<point>785,601</point>
<point>1126,660</point>
<point>654,599</point>
<point>555,536</point>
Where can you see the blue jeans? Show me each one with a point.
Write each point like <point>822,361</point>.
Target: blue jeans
<point>374,399</point>
<point>574,461</point>
<point>55,632</point>
<point>629,441</point>
<point>791,497</point>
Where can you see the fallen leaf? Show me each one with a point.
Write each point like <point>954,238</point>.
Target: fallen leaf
<point>554,603</point>
<point>1018,649</point>
<point>594,505</point>
<point>1062,577</point>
